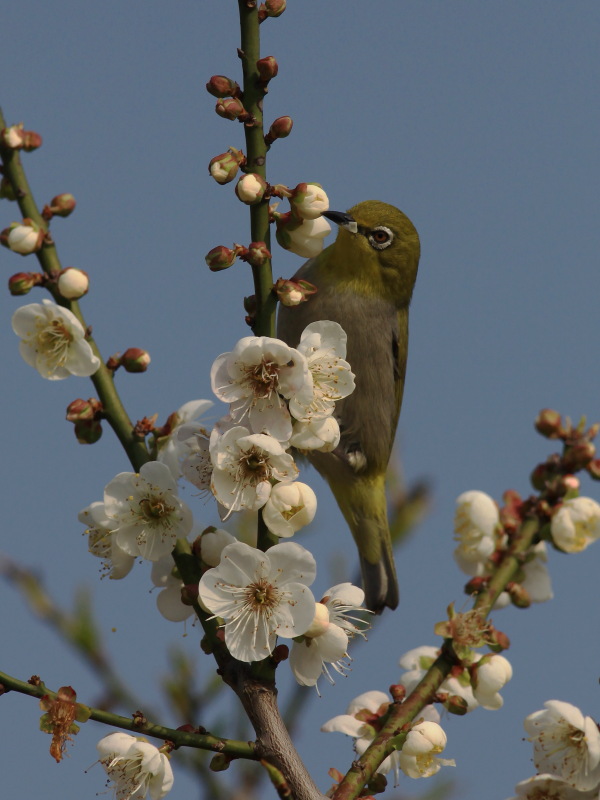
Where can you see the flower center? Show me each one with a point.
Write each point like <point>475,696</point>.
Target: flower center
<point>54,340</point>
<point>155,508</point>
<point>262,378</point>
<point>262,595</point>
<point>253,466</point>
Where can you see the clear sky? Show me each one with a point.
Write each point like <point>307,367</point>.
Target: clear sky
<point>481,121</point>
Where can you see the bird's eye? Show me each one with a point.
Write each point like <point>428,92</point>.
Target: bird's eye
<point>380,237</point>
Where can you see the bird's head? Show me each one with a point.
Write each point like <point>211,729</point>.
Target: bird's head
<point>376,251</point>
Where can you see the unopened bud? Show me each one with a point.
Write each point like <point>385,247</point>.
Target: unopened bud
<point>16,138</point>
<point>293,292</point>
<point>73,283</point>
<point>398,692</point>
<point>497,640</point>
<point>519,596</point>
<point>539,477</point>
<point>280,653</point>
<point>31,141</point>
<point>455,704</point>
<point>222,86</point>
<point>23,238</point>
<point>62,205</point>
<point>220,762</point>
<point>267,68</point>
<point>23,282</point>
<point>549,424</point>
<point>578,456</point>
<point>231,108</point>
<point>88,431</point>
<point>79,409</point>
<point>476,585</point>
<point>274,8</point>
<point>309,201</point>
<point>257,254</point>
<point>593,469</point>
<point>135,360</point>
<point>220,258</point>
<point>223,168</point>
<point>280,128</point>
<point>251,188</point>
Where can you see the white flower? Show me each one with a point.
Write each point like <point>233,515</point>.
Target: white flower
<point>254,377</point>
<point>244,465</point>
<point>316,434</point>
<point>146,515</point>
<point>307,239</point>
<point>326,640</point>
<point>194,449</point>
<point>171,448</point>
<point>565,744</point>
<point>260,596</point>
<point>417,661</point>
<point>576,524</point>
<point>323,344</point>
<point>418,757</point>
<point>116,563</point>
<point>73,283</point>
<point>135,767</point>
<point>491,672</point>
<point>290,506</point>
<point>168,601</point>
<point>474,525</point>
<point>212,543</point>
<point>309,200</point>
<point>547,787</point>
<point>360,721</point>
<point>25,239</point>
<point>53,341</point>
<point>251,188</point>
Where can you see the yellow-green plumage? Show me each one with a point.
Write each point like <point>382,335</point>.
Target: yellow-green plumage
<point>364,284</point>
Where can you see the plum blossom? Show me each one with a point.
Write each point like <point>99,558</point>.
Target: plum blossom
<point>491,673</point>
<point>547,787</point>
<point>194,450</point>
<point>255,377</point>
<point>304,240</point>
<point>260,596</point>
<point>309,200</point>
<point>316,434</point>
<point>323,344</point>
<point>164,575</point>
<point>212,543</point>
<point>417,661</point>
<point>116,563</point>
<point>53,341</point>
<point>172,448</point>
<point>146,515</point>
<point>419,755</point>
<point>290,507</point>
<point>474,529</point>
<point>326,640</point>
<point>565,744</point>
<point>135,767</point>
<point>244,464</point>
<point>576,524</point>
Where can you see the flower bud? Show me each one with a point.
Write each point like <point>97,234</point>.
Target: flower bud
<point>23,238</point>
<point>83,409</point>
<point>293,292</point>
<point>320,622</point>
<point>31,141</point>
<point>267,68</point>
<point>304,240</point>
<point>22,283</point>
<point>519,596</point>
<point>280,128</point>
<point>223,168</point>
<point>578,456</point>
<point>222,86</point>
<point>73,283</point>
<point>135,360</point>
<point>257,254</point>
<point>16,138</point>
<point>309,201</point>
<point>251,188</point>
<point>593,469</point>
<point>220,258</point>
<point>548,423</point>
<point>62,205</point>
<point>274,8</point>
<point>455,704</point>
<point>88,431</point>
<point>230,108</point>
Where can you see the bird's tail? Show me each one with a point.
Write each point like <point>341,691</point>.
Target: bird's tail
<point>364,506</point>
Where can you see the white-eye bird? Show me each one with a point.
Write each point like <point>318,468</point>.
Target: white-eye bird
<point>364,282</point>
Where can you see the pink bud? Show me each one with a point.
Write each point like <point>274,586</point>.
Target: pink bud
<point>548,423</point>
<point>275,8</point>
<point>135,360</point>
<point>31,141</point>
<point>219,258</point>
<point>63,204</point>
<point>231,108</point>
<point>83,409</point>
<point>292,293</point>
<point>222,86</point>
<point>22,283</point>
<point>258,254</point>
<point>267,68</point>
<point>88,431</point>
<point>223,168</point>
<point>280,128</point>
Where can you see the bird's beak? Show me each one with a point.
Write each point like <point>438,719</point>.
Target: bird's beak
<point>342,219</point>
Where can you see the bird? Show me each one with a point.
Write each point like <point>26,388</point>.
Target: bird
<point>364,282</point>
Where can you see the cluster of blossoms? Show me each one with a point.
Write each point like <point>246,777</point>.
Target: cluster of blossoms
<point>135,768</point>
<point>419,755</point>
<point>566,752</point>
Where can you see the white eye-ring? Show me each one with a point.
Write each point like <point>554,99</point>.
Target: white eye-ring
<point>380,237</point>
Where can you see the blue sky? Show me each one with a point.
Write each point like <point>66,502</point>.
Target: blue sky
<point>480,120</point>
